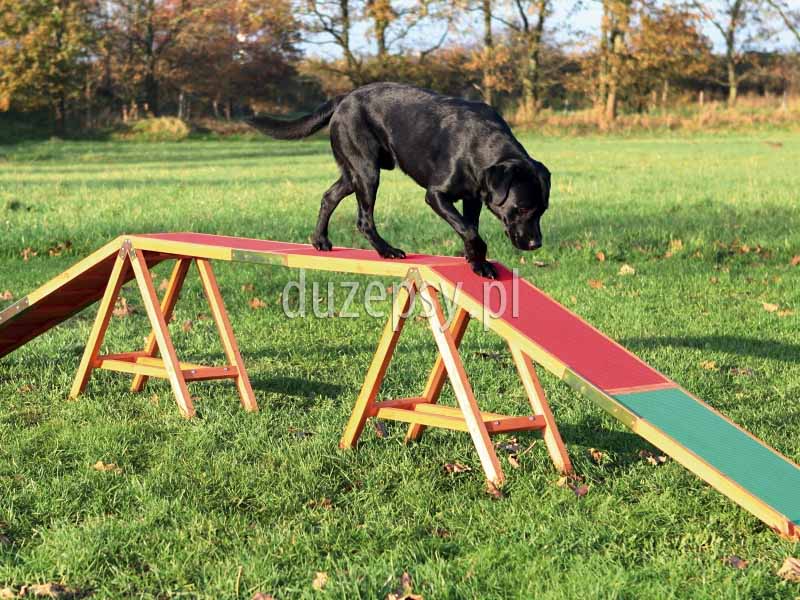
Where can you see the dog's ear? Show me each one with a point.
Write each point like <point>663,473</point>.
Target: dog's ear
<point>498,180</point>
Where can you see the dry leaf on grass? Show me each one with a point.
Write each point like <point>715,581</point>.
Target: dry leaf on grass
<point>653,459</point>
<point>574,483</point>
<point>790,570</point>
<point>320,581</point>
<point>675,246</point>
<point>122,308</point>
<point>59,248</point>
<point>25,389</point>
<point>737,562</point>
<point>28,253</point>
<point>49,590</point>
<point>187,325</point>
<point>262,596</point>
<point>795,260</point>
<point>709,365</point>
<point>539,263</point>
<point>163,285</point>
<point>405,591</point>
<point>494,491</point>
<point>6,295</point>
<point>325,503</point>
<point>102,466</point>
<point>7,594</point>
<point>257,303</point>
<point>456,467</point>
<point>380,429</point>
<point>627,270</point>
<point>596,455</point>
<point>785,313</point>
<point>596,284</point>
<point>769,307</point>
<point>513,461</point>
<point>601,256</point>
<point>248,287</point>
<point>741,371</point>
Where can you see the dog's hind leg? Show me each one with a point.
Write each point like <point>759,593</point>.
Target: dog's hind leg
<point>330,200</point>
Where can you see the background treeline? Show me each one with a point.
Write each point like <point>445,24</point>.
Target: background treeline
<point>88,64</point>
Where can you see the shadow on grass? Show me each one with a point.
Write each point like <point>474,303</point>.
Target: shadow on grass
<point>296,387</point>
<point>743,346</point>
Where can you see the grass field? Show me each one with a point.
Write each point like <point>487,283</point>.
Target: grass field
<point>229,504</point>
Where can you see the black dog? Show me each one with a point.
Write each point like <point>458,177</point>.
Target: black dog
<point>454,148</point>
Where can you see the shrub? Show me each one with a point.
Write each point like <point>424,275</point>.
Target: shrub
<point>156,129</point>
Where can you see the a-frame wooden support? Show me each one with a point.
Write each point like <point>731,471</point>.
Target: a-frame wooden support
<point>424,411</point>
<point>159,359</point>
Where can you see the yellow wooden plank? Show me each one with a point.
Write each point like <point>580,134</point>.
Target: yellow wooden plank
<point>100,325</point>
<point>125,366</point>
<point>431,420</point>
<point>185,249</point>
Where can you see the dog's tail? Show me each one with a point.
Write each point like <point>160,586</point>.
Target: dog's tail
<point>299,128</point>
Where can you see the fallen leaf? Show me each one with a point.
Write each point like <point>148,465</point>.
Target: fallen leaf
<point>26,389</point>
<point>442,533</point>
<point>163,285</point>
<point>539,263</point>
<point>785,313</point>
<point>262,596</point>
<point>714,280</point>
<point>655,460</point>
<point>627,270</point>
<point>257,303</point>
<point>7,295</point>
<point>769,307</point>
<point>676,245</point>
<point>709,365</point>
<point>325,503</point>
<point>596,284</point>
<point>744,249</point>
<point>790,571</point>
<point>596,455</point>
<point>154,400</point>
<point>456,468</point>
<point>121,308</point>
<point>202,317</point>
<point>573,483</point>
<point>7,593</point>
<point>248,287</point>
<point>102,466</point>
<point>48,590</point>
<point>774,144</point>
<point>187,325</point>
<point>320,580</point>
<point>795,260</point>
<point>28,253</point>
<point>581,490</point>
<point>600,256</point>
<point>380,429</point>
<point>737,562</point>
<point>743,371</point>
<point>494,491</point>
<point>59,248</point>
<point>513,461</point>
<point>405,590</point>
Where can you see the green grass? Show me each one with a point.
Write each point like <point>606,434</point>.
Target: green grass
<point>231,503</point>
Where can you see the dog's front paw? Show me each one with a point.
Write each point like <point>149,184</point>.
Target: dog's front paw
<point>484,269</point>
<point>390,252</point>
<point>322,244</point>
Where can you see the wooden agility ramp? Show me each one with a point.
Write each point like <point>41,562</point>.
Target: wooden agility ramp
<point>538,330</point>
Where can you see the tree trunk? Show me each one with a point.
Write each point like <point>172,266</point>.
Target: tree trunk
<point>60,115</point>
<point>733,81</point>
<point>531,71</point>
<point>488,49</point>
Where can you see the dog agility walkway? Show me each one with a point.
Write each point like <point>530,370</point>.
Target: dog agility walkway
<point>538,330</point>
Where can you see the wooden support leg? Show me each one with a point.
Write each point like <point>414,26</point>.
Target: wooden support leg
<point>100,325</point>
<point>234,357</point>
<point>540,406</point>
<point>461,387</point>
<point>433,388</point>
<point>377,370</point>
<point>167,307</point>
<point>161,332</point>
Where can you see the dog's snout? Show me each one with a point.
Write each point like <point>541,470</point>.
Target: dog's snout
<point>534,245</point>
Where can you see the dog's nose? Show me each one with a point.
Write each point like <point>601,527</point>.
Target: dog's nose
<point>534,245</point>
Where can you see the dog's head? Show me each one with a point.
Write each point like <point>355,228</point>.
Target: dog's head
<point>518,195</point>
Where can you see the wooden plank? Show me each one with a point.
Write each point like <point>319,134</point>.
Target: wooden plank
<point>461,386</point>
<point>126,366</point>
<point>209,373</point>
<point>229,345</point>
<point>100,325</point>
<point>171,295</point>
<point>163,339</point>
<point>396,403</point>
<point>540,405</point>
<point>377,369</point>
<point>438,375</point>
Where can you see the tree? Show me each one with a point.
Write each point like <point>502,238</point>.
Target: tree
<point>789,16</point>
<point>44,48</point>
<point>331,22</point>
<point>529,27</point>
<point>730,18</point>
<point>615,26</point>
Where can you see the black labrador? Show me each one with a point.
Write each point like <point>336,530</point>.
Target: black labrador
<point>454,148</point>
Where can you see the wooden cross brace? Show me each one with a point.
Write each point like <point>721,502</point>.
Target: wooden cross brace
<point>423,411</point>
<point>147,362</point>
